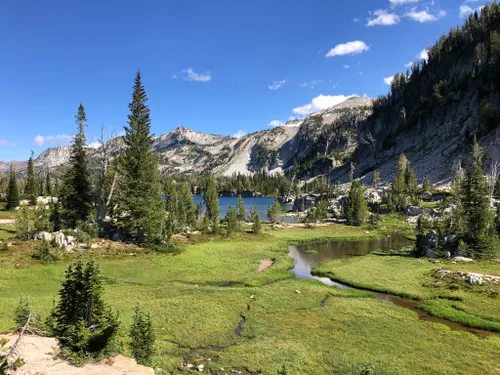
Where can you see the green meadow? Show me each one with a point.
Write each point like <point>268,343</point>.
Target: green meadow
<point>210,306</point>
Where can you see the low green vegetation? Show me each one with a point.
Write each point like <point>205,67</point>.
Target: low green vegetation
<point>198,298</point>
<point>404,275</point>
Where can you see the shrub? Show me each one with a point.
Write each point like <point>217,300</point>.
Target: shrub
<point>48,252</point>
<point>142,337</point>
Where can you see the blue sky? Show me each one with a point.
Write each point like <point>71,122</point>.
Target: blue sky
<point>224,67</point>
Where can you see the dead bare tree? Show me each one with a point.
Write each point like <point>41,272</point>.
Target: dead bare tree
<point>11,353</point>
<point>104,152</point>
<point>492,178</point>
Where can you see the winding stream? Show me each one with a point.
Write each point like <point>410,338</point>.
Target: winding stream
<point>305,260</point>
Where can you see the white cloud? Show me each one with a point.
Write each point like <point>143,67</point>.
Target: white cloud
<point>409,65</point>
<point>402,2</point>
<point>388,80</point>
<point>465,10</point>
<point>276,123</point>
<point>350,48</point>
<point>424,55</point>
<point>276,85</point>
<point>60,139</point>
<point>95,144</point>
<point>347,66</point>
<point>355,20</point>
<point>291,118</point>
<point>312,83</point>
<point>424,16</point>
<point>198,77</point>
<point>319,103</point>
<point>174,76</point>
<point>383,18</point>
<point>3,142</point>
<point>239,134</point>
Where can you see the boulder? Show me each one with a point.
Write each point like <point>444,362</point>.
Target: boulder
<point>413,210</point>
<point>43,236</point>
<point>464,259</point>
<point>60,239</point>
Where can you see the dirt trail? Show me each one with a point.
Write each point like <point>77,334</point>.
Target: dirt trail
<point>38,353</point>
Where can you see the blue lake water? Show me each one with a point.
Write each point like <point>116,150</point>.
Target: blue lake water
<point>262,203</point>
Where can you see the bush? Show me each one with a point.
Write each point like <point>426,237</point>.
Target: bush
<point>168,247</point>
<point>142,337</point>
<point>48,252</point>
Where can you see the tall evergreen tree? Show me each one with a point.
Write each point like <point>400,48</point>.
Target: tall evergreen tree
<point>48,184</point>
<point>12,191</point>
<point>474,205</point>
<point>356,211</point>
<point>274,211</point>
<point>240,205</point>
<point>231,220</point>
<point>76,192</point>
<point>142,205</point>
<point>82,321</point>
<point>186,198</point>
<point>255,218</point>
<point>497,221</point>
<point>211,199</point>
<point>31,189</point>
<point>142,337</point>
<point>170,191</point>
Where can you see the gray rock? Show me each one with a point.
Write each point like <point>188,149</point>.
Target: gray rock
<point>413,210</point>
<point>45,236</point>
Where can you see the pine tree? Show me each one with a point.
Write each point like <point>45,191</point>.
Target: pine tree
<point>356,211</point>
<point>255,218</point>
<point>232,220</point>
<point>142,204</point>
<point>30,190</point>
<point>12,191</point>
<point>399,188</point>
<point>426,184</point>
<point>242,214</point>
<point>76,192</point>
<point>474,203</point>
<point>142,337</point>
<point>22,313</point>
<point>322,209</point>
<point>48,185</point>
<point>497,221</point>
<point>186,197</point>
<point>211,199</point>
<point>55,214</point>
<point>274,211</point>
<point>82,321</point>
<point>170,191</point>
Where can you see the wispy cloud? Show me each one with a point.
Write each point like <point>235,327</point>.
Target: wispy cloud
<point>276,85</point>
<point>349,48</point>
<point>55,140</point>
<point>239,134</point>
<point>190,75</point>
<point>347,66</point>
<point>424,54</point>
<point>424,16</point>
<point>3,142</point>
<point>388,80</point>
<point>402,2</point>
<point>312,83</point>
<point>465,10</point>
<point>276,123</point>
<point>409,65</point>
<point>319,103</point>
<point>383,18</point>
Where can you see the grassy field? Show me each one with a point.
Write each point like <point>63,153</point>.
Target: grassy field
<point>474,306</point>
<point>201,296</point>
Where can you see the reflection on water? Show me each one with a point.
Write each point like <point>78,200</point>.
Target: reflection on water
<point>330,250</point>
